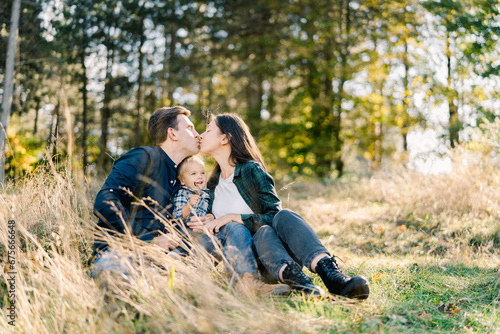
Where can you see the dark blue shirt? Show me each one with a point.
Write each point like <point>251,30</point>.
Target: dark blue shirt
<point>149,174</point>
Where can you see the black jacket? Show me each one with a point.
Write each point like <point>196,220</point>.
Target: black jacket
<point>150,174</point>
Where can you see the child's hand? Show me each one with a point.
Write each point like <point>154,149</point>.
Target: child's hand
<point>210,216</point>
<point>194,199</point>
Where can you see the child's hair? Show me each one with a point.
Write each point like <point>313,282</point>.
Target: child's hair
<point>186,161</point>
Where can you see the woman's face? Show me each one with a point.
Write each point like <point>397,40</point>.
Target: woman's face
<point>211,139</point>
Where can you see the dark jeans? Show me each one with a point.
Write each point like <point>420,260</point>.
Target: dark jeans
<point>290,238</point>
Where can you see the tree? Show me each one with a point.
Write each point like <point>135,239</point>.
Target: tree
<point>8,83</point>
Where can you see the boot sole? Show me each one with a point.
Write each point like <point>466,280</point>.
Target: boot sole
<point>358,288</point>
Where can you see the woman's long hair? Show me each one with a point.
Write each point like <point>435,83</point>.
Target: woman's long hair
<point>243,146</point>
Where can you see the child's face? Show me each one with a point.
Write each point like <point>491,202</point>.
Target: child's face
<point>194,175</point>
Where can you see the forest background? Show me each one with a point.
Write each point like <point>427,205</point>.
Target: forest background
<point>318,82</point>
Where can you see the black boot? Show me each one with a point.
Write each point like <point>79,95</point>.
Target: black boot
<point>339,283</point>
<point>296,279</point>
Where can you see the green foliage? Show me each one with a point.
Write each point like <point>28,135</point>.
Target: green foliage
<point>23,154</point>
<point>347,76</point>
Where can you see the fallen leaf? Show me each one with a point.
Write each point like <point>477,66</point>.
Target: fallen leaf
<point>402,228</point>
<point>377,276</point>
<point>450,308</point>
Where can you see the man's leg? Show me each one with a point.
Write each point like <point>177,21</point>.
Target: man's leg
<point>237,248</point>
<point>240,259</point>
<point>111,262</point>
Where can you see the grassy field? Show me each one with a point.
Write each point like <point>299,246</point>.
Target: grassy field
<point>428,244</point>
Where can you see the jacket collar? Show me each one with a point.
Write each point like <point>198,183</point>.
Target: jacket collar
<point>237,170</point>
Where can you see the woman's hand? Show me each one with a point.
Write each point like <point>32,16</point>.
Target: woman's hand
<point>215,225</point>
<point>197,224</point>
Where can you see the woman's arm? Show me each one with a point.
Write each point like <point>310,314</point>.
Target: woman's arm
<point>256,187</point>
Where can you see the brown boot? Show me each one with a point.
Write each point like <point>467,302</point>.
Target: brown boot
<point>250,286</point>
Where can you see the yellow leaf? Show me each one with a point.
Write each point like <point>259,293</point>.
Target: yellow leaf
<point>377,276</point>
<point>401,228</point>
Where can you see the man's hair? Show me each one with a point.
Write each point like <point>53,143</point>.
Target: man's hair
<point>184,163</point>
<point>163,119</point>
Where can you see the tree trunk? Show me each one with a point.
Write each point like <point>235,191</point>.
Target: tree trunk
<point>8,86</point>
<point>170,61</point>
<point>406,98</point>
<point>37,107</point>
<point>68,124</point>
<point>54,129</point>
<point>85,112</point>
<point>140,88</point>
<point>105,114</point>
<point>453,122</point>
<point>337,112</point>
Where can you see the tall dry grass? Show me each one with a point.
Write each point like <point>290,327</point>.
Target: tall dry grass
<point>401,211</point>
<point>391,220</point>
<point>54,222</point>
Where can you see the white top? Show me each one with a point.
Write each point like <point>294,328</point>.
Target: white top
<point>227,199</point>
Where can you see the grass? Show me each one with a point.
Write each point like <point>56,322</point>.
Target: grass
<point>428,244</point>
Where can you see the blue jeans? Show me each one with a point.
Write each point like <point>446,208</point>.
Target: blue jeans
<point>110,261</point>
<point>236,242</point>
<point>289,238</point>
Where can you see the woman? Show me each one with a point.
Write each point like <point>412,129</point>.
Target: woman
<point>283,241</point>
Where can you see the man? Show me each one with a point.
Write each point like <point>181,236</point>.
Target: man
<point>148,173</point>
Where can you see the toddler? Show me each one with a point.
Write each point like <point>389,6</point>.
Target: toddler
<point>192,198</point>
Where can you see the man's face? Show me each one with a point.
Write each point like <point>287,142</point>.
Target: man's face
<point>186,135</point>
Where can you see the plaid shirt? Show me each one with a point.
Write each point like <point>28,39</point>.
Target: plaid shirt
<point>182,197</point>
<point>256,187</point>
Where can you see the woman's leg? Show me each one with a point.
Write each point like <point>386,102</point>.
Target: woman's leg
<point>277,260</point>
<point>298,237</point>
<point>305,245</point>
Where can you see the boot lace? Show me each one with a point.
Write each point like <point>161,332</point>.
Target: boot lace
<point>332,269</point>
<point>294,274</point>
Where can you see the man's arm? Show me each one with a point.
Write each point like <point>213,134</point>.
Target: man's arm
<point>112,203</point>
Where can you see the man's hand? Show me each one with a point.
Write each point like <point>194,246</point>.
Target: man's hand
<point>166,241</point>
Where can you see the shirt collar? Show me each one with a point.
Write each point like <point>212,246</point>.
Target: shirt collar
<point>168,160</point>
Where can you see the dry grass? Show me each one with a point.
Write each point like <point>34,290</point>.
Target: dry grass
<point>422,240</point>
